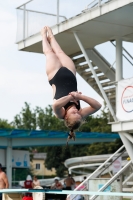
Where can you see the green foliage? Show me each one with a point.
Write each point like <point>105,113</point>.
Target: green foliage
<point>37,118</point>
<point>26,119</point>
<point>104,148</point>
<point>4,124</point>
<point>20,174</point>
<point>98,123</point>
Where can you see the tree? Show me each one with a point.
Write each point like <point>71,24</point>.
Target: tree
<point>4,124</point>
<point>26,119</point>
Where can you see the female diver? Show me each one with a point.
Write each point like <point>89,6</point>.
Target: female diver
<point>61,73</point>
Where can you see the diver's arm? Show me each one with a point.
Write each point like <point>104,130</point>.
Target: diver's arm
<point>94,105</point>
<point>60,103</point>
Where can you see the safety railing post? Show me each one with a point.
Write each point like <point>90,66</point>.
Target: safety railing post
<point>99,3</point>
<point>57,11</point>
<point>24,17</point>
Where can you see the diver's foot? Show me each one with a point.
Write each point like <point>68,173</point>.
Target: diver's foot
<point>50,34</point>
<point>44,32</point>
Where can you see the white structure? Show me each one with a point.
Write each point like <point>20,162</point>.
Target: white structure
<point>100,22</point>
<point>110,21</point>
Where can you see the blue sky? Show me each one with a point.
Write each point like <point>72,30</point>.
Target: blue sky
<point>22,74</point>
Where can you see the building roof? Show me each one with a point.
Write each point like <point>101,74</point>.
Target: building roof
<point>39,156</point>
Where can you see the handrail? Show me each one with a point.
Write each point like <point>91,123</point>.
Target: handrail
<point>24,4</point>
<point>105,167</point>
<point>112,162</point>
<point>128,178</point>
<point>111,180</point>
<point>97,3</point>
<point>85,165</point>
<point>42,12</point>
<point>124,55</point>
<point>98,168</point>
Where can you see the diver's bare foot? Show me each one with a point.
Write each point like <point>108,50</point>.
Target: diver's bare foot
<point>50,34</point>
<point>44,31</point>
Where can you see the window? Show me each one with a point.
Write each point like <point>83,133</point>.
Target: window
<point>37,166</point>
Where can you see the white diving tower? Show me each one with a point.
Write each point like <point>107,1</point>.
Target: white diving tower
<point>78,36</point>
<point>100,22</point>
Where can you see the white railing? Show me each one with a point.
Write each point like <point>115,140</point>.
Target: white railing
<point>95,3</point>
<point>98,169</point>
<point>30,21</point>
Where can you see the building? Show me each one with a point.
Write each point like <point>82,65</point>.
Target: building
<point>38,165</point>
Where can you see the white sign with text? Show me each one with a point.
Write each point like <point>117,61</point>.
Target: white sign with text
<point>125,100</point>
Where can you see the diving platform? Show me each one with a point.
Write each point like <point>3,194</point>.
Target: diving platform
<point>94,26</point>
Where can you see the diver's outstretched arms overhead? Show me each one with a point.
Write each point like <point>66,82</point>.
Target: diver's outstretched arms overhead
<point>61,73</point>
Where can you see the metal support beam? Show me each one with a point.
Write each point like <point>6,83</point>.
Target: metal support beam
<point>119,60</point>
<point>111,180</point>
<point>95,76</point>
<point>127,143</point>
<point>99,3</point>
<point>129,137</point>
<point>119,65</point>
<point>97,170</point>
<point>24,21</point>
<point>58,11</point>
<point>9,161</point>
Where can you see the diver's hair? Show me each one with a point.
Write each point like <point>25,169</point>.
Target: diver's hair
<point>72,125</point>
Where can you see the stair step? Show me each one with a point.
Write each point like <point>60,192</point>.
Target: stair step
<point>85,72</point>
<point>88,73</point>
<point>79,60</point>
<point>82,67</point>
<point>110,90</point>
<point>129,183</point>
<point>75,54</point>
<point>107,84</point>
<point>127,189</point>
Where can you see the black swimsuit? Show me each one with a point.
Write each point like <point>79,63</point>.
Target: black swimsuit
<point>65,82</point>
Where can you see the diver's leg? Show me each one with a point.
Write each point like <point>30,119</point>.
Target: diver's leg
<point>53,64</point>
<point>64,59</point>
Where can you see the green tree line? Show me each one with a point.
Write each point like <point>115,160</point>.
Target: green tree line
<point>44,119</point>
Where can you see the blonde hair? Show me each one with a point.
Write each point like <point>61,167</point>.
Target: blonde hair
<point>72,125</point>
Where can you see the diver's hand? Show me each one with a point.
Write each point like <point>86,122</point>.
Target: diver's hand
<point>73,99</point>
<point>76,95</point>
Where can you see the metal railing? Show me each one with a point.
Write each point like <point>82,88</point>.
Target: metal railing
<point>28,26</point>
<point>112,179</point>
<point>96,3</point>
<point>106,167</point>
<point>99,168</point>
<point>124,51</point>
<point>25,19</point>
